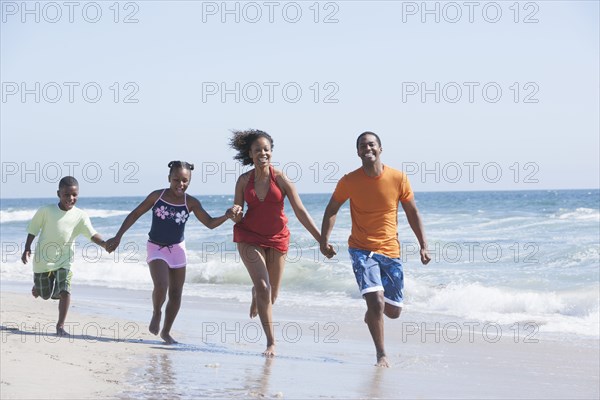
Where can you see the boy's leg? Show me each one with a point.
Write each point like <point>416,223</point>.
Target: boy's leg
<point>43,284</point>
<point>63,308</point>
<point>62,292</point>
<point>176,281</point>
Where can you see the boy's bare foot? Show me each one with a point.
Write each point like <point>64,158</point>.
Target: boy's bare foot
<point>34,292</point>
<point>270,351</point>
<point>253,306</point>
<point>154,326</point>
<point>60,331</point>
<point>382,361</point>
<point>167,338</point>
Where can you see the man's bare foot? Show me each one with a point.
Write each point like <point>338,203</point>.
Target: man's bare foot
<point>34,292</point>
<point>270,351</point>
<point>253,306</point>
<point>382,362</point>
<point>167,338</point>
<point>154,326</point>
<point>60,331</point>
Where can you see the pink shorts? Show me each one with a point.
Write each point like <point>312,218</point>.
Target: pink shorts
<point>174,255</point>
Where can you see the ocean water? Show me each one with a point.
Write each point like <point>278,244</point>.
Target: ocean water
<point>511,257</point>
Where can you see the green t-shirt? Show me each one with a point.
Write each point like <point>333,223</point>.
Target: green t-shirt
<point>55,247</point>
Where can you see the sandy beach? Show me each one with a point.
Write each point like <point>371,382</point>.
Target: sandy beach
<point>111,355</point>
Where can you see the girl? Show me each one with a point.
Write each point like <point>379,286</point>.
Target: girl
<point>166,246</point>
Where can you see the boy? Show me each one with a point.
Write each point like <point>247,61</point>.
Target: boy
<point>59,224</point>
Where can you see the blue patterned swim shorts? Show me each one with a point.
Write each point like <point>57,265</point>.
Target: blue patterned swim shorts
<point>376,272</point>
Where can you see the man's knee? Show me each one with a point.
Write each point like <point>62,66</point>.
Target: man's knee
<point>375,302</point>
<point>392,312</point>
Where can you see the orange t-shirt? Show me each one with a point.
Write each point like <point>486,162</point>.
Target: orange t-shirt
<point>374,208</point>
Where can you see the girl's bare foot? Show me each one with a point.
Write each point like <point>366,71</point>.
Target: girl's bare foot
<point>34,292</point>
<point>154,326</point>
<point>382,361</point>
<point>167,338</point>
<point>253,306</point>
<point>270,351</point>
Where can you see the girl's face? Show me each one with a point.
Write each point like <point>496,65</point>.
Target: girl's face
<point>68,197</point>
<point>260,152</point>
<point>180,180</point>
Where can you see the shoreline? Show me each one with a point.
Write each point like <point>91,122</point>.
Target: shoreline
<point>318,355</point>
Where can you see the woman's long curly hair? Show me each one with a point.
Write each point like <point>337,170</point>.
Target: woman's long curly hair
<point>241,141</point>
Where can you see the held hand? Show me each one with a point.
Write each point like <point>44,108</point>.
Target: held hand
<point>424,256</point>
<point>327,250</point>
<point>25,257</point>
<point>111,244</point>
<point>104,245</point>
<point>235,212</point>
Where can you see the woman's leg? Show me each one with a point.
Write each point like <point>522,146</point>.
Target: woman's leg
<point>254,260</point>
<point>275,266</point>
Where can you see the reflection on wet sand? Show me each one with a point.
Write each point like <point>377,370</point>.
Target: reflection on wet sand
<point>373,386</point>
<point>258,386</point>
<point>160,377</point>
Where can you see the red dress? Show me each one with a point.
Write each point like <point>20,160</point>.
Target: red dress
<point>265,223</point>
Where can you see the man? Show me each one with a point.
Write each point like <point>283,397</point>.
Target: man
<point>374,191</point>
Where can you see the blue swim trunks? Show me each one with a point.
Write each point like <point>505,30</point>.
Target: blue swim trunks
<point>375,272</point>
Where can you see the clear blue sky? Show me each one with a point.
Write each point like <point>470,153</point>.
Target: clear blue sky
<point>375,66</point>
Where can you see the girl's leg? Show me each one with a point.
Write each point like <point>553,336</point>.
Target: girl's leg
<point>254,260</point>
<point>159,271</point>
<point>176,280</point>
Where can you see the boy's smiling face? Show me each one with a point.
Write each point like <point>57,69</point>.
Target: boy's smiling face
<point>68,197</point>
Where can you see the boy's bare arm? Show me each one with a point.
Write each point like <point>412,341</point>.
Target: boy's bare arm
<point>27,250</point>
<point>99,241</point>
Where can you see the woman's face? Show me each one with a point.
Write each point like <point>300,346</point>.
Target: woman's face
<point>260,152</point>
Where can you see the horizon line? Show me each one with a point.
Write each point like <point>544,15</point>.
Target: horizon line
<point>329,193</point>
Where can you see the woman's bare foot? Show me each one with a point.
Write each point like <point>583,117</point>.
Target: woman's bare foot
<point>253,306</point>
<point>34,292</point>
<point>270,351</point>
<point>154,326</point>
<point>60,331</point>
<point>382,361</point>
<point>167,338</point>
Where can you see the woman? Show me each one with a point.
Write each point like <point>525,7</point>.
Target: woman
<point>167,258</point>
<point>261,234</point>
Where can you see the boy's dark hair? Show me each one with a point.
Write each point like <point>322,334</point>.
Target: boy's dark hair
<point>242,141</point>
<point>368,133</point>
<point>173,165</point>
<point>67,181</point>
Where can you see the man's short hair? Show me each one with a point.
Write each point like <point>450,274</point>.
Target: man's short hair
<point>368,133</point>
